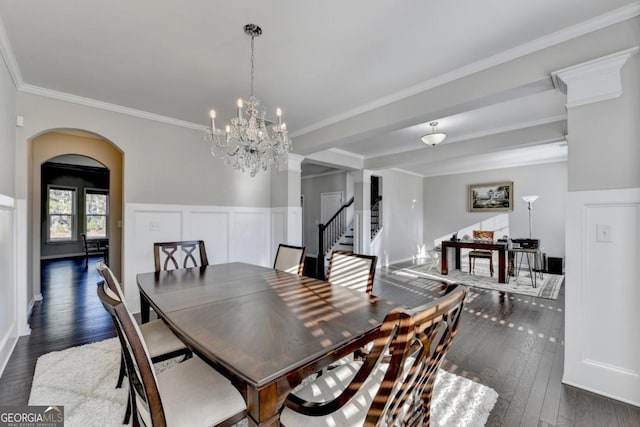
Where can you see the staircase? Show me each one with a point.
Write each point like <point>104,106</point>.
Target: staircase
<point>336,233</point>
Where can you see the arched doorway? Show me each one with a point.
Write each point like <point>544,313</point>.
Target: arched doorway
<point>63,142</point>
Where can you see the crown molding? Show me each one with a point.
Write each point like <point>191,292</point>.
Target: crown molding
<point>611,18</point>
<point>89,102</point>
<point>9,59</point>
<point>407,172</point>
<point>593,81</point>
<point>346,153</point>
<point>335,172</point>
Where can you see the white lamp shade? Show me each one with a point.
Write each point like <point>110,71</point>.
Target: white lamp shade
<point>434,138</point>
<point>530,199</point>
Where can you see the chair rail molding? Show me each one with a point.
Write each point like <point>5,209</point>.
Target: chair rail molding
<point>592,81</point>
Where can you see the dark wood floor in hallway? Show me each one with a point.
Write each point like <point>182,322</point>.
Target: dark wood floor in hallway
<point>509,342</point>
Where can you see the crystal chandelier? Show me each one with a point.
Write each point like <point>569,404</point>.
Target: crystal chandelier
<point>249,141</point>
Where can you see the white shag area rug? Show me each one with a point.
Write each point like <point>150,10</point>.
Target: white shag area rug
<point>83,380</point>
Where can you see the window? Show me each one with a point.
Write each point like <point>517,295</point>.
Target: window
<point>97,213</point>
<point>61,204</point>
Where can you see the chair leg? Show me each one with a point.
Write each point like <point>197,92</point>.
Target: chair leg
<point>127,414</point>
<point>121,374</point>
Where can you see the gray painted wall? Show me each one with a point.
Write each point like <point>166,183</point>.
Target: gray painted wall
<point>402,217</point>
<point>163,164</point>
<point>445,203</point>
<point>607,156</point>
<point>7,131</point>
<point>311,189</point>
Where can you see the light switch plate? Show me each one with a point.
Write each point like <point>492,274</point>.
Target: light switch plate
<point>603,233</point>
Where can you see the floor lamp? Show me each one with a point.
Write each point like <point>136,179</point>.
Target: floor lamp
<point>530,200</point>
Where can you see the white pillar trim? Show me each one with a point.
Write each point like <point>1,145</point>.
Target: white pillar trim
<point>292,163</point>
<point>592,81</point>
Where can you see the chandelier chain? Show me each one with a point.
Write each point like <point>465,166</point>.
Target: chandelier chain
<point>252,65</point>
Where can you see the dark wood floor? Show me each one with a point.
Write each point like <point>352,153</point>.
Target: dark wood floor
<point>509,342</point>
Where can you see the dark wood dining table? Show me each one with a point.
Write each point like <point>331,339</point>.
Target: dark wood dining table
<point>501,247</point>
<point>266,330</point>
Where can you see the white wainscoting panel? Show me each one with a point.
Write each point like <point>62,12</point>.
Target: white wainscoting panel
<point>230,234</point>
<point>278,229</point>
<point>602,293</point>
<point>251,237</point>
<point>286,227</point>
<point>212,227</point>
<point>8,290</point>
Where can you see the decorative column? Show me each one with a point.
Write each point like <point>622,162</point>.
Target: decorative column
<point>286,212</point>
<point>602,346</point>
<point>362,211</point>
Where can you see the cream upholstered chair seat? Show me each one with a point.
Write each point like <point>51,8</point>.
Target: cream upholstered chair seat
<point>160,339</point>
<point>194,394</point>
<point>161,342</point>
<point>189,394</point>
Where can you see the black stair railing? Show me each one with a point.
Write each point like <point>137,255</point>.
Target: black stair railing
<point>329,234</point>
<point>376,217</point>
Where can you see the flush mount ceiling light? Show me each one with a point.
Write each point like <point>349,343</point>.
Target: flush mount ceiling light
<point>435,137</point>
<point>250,142</point>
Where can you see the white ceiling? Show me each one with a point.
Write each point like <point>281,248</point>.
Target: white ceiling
<point>319,60</point>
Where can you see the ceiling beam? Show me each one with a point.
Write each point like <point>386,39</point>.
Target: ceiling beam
<point>525,137</point>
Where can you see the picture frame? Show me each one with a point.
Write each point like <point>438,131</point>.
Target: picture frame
<point>491,197</point>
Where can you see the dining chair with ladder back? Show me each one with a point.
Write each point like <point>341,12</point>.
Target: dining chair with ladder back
<point>394,390</point>
<point>162,343</point>
<point>481,236</point>
<point>183,254</point>
<point>173,255</point>
<point>290,259</point>
<point>353,271</point>
<point>190,393</point>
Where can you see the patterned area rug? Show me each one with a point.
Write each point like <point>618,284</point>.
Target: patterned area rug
<point>547,287</point>
<point>83,380</point>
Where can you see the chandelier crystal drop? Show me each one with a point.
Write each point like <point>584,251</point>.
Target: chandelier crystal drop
<point>250,141</point>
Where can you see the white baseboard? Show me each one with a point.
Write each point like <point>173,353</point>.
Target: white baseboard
<point>7,345</point>
<point>397,261</point>
<point>599,392</point>
<point>60,256</point>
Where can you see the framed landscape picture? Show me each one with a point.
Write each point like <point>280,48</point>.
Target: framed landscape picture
<point>495,196</point>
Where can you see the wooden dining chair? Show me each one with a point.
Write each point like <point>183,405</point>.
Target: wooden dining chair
<point>353,271</point>
<point>483,236</point>
<point>183,254</point>
<point>174,255</point>
<point>381,391</point>
<point>190,393</point>
<point>290,259</point>
<point>162,343</point>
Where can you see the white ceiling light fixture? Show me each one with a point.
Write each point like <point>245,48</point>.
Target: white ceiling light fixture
<point>435,137</point>
<point>249,141</point>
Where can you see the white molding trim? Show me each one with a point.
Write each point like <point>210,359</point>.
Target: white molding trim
<point>611,18</point>
<point>419,175</point>
<point>346,153</point>
<point>593,81</point>
<point>7,201</point>
<point>7,344</point>
<point>9,58</point>
<point>292,163</point>
<point>336,172</point>
<point>89,102</point>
